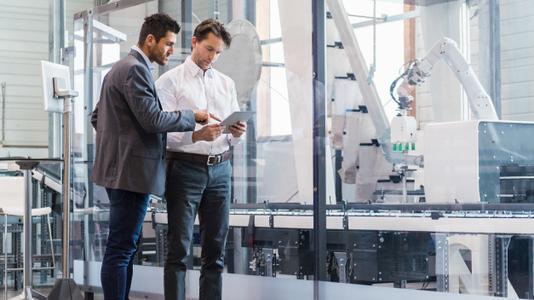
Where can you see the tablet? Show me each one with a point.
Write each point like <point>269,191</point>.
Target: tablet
<point>235,117</point>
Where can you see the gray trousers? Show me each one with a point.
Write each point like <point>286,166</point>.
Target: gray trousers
<point>193,188</point>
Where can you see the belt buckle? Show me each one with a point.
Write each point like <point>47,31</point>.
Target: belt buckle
<point>213,159</point>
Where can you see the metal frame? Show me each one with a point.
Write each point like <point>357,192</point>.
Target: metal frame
<point>186,16</point>
<point>26,166</point>
<point>109,32</point>
<point>442,262</point>
<point>495,54</point>
<point>57,44</point>
<point>387,19</point>
<point>251,150</point>
<point>88,99</point>
<point>3,98</point>
<point>318,44</point>
<point>499,264</point>
<point>319,137</point>
<point>250,10</point>
<point>89,25</point>
<point>110,7</point>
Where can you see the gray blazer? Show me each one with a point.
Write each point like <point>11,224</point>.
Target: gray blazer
<point>131,129</point>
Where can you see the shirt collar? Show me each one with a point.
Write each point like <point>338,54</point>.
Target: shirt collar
<point>148,62</point>
<point>195,70</point>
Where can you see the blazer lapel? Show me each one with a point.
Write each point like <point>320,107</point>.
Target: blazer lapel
<point>140,58</point>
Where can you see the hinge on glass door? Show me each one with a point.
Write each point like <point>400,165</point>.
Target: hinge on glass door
<point>67,55</point>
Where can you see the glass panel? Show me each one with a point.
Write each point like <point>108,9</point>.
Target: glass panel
<point>283,145</point>
<point>435,197</point>
<point>278,144</point>
<point>99,40</point>
<point>421,194</point>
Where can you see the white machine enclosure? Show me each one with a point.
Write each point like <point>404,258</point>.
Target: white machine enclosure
<point>474,161</point>
<point>451,162</point>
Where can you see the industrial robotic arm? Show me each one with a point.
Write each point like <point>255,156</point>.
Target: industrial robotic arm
<point>403,127</point>
<point>418,71</point>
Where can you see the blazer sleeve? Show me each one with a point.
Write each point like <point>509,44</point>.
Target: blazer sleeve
<point>94,117</point>
<point>141,99</point>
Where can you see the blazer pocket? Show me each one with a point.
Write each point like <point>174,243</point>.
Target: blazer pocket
<point>132,147</point>
<point>149,153</point>
<point>106,156</point>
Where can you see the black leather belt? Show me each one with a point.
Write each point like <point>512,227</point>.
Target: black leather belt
<point>200,158</point>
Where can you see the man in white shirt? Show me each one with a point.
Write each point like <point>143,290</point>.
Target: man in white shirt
<point>199,171</point>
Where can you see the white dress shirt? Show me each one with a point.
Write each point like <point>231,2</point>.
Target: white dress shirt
<point>187,86</point>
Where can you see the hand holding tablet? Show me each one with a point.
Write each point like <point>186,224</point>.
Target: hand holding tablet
<point>237,116</point>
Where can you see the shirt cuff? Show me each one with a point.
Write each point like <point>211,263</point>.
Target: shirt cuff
<point>232,141</point>
<point>189,117</point>
<point>187,138</point>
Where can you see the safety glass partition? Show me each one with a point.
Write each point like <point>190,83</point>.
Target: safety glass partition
<point>101,37</point>
<point>270,61</point>
<point>440,205</point>
<point>444,208</point>
<point>272,165</point>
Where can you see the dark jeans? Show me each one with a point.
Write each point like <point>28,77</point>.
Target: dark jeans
<point>195,188</point>
<point>126,214</point>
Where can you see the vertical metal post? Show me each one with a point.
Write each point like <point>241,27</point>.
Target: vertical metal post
<point>27,166</point>
<point>495,54</point>
<point>27,234</point>
<point>88,130</point>
<point>338,181</point>
<point>229,11</point>
<point>3,85</point>
<point>250,11</point>
<point>372,68</point>
<point>530,292</point>
<point>319,133</point>
<point>56,44</point>
<point>216,10</point>
<point>442,262</point>
<point>499,285</point>
<point>65,288</point>
<point>187,22</point>
<point>88,60</point>
<point>57,30</point>
<point>4,246</point>
<point>67,102</point>
<point>251,152</point>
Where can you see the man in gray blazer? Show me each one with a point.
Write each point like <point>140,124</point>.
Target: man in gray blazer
<point>131,132</point>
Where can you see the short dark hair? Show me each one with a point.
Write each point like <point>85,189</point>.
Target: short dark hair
<point>215,27</point>
<point>157,25</point>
